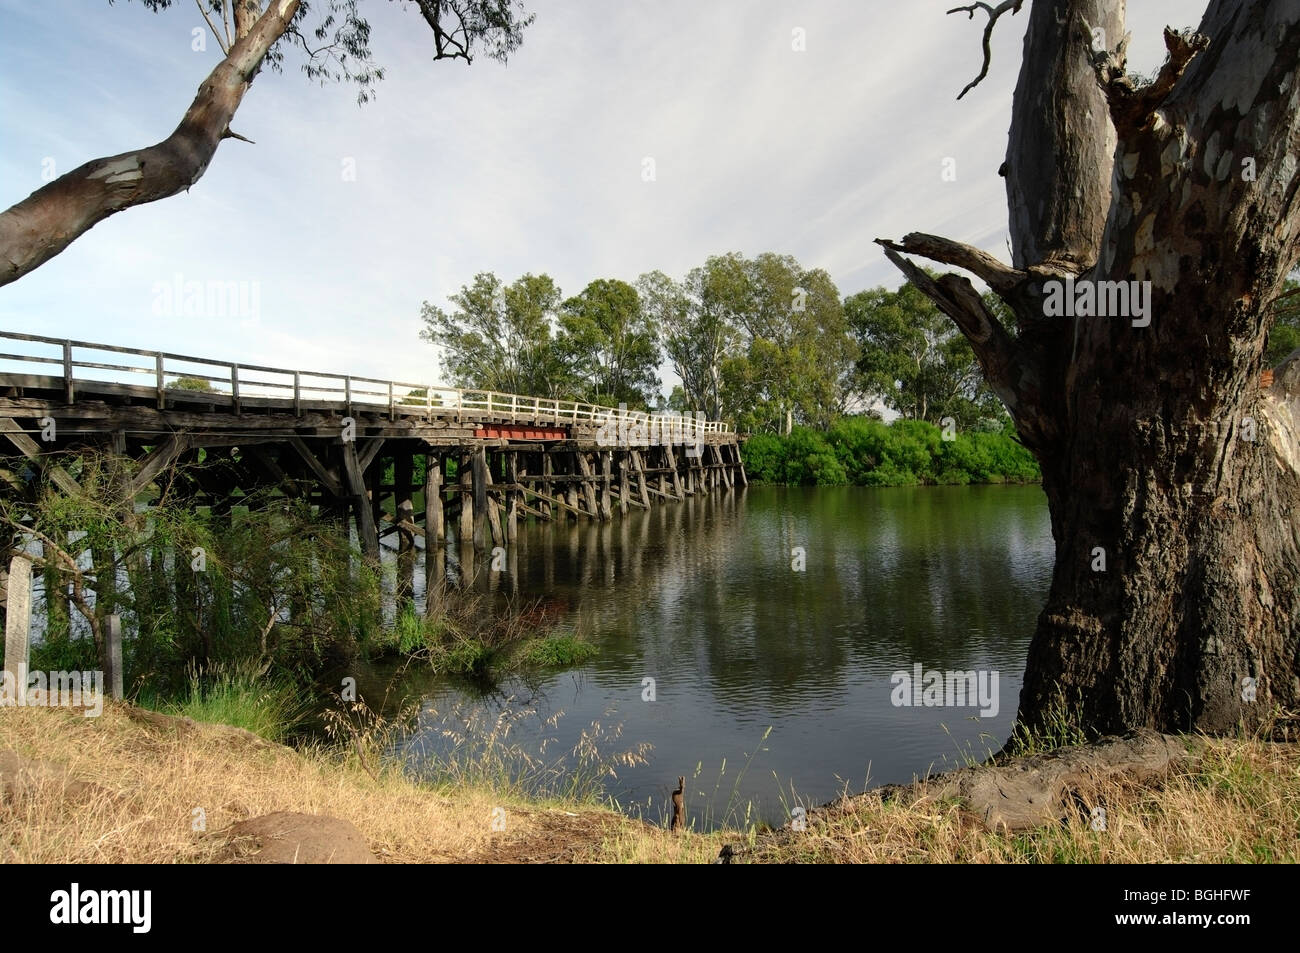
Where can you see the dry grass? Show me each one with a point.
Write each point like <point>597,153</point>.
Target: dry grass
<point>1239,803</point>
<point>150,780</point>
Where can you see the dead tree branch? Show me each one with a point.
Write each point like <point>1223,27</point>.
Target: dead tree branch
<point>1131,105</point>
<point>224,45</point>
<point>1001,277</point>
<point>993,13</point>
<point>994,348</point>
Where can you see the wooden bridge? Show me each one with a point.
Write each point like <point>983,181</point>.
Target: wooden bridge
<point>490,459</point>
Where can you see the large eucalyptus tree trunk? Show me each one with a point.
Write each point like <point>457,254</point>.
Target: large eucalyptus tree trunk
<point>1172,476</point>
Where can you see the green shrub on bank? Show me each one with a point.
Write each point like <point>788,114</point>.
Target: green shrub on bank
<point>273,583</point>
<point>864,451</point>
<point>802,457</point>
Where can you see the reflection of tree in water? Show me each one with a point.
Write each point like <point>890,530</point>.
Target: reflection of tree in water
<point>950,576</point>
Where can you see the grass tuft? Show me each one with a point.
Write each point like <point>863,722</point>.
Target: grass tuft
<point>243,695</point>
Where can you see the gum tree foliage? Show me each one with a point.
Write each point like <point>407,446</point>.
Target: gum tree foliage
<point>795,355</point>
<point>695,328</point>
<point>329,39</point>
<point>913,360</point>
<point>609,345</point>
<point>759,341</point>
<point>498,337</point>
<point>1171,474</point>
<point>762,342</point>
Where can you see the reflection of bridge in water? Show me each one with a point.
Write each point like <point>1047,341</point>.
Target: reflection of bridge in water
<point>484,460</point>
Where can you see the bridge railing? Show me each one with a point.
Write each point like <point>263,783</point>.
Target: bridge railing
<point>232,383</point>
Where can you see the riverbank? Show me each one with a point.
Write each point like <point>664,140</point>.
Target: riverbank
<point>134,787</point>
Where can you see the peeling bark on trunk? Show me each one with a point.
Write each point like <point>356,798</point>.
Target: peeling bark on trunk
<point>51,218</point>
<point>1160,452</point>
<point>1060,139</point>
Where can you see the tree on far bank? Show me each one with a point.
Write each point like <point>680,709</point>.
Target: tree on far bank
<point>914,360</point>
<point>695,329</point>
<point>793,359</point>
<point>191,383</point>
<point>499,336</point>
<point>610,345</point>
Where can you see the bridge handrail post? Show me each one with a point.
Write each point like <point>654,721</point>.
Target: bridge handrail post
<point>158,380</point>
<point>234,386</point>
<point>67,372</point>
<point>392,407</point>
<point>428,402</point>
<point>347,393</point>
<point>297,394</point>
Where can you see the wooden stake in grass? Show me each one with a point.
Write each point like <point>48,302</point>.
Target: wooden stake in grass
<point>113,653</point>
<point>18,620</point>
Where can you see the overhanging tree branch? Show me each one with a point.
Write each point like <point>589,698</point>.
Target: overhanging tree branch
<point>41,226</point>
<point>51,218</point>
<point>1001,277</point>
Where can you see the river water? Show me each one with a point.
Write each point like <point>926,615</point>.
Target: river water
<point>772,622</point>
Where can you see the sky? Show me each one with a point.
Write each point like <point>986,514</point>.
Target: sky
<point>804,127</point>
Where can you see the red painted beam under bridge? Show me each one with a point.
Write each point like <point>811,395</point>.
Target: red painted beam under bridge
<point>520,432</point>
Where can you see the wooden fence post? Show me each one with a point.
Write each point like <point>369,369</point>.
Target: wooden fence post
<point>114,675</point>
<point>18,612</point>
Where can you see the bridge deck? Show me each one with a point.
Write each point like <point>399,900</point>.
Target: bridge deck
<point>96,389</point>
<point>489,458</point>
